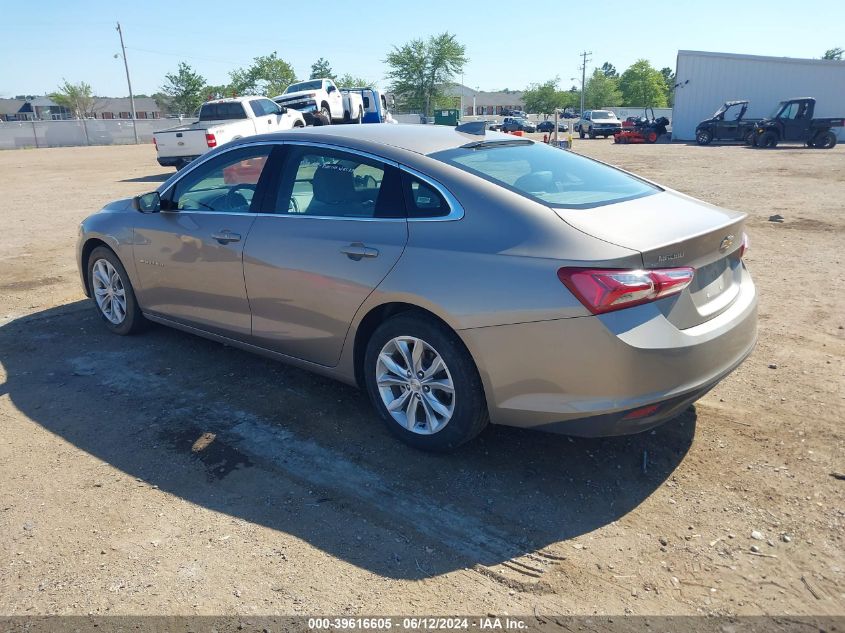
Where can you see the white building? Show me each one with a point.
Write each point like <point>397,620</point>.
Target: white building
<point>704,81</point>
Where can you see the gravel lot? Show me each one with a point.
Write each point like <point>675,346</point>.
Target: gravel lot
<point>115,501</point>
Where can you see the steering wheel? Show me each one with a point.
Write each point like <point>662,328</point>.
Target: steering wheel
<point>293,205</point>
<point>235,201</point>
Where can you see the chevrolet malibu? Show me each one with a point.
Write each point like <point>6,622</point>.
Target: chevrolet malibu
<point>459,276</point>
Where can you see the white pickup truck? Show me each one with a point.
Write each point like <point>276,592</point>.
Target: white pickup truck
<point>321,96</point>
<point>220,121</point>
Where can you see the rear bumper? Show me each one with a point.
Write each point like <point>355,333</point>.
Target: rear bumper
<point>585,375</point>
<point>175,161</point>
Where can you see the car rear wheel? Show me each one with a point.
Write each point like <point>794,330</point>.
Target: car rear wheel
<point>112,293</point>
<point>826,140</point>
<point>424,384</point>
<point>703,137</point>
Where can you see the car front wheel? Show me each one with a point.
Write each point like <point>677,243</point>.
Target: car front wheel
<point>703,137</point>
<point>424,383</point>
<point>112,293</point>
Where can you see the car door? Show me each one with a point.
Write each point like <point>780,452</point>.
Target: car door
<point>335,100</point>
<point>726,127</point>
<point>337,228</point>
<point>189,256</point>
<point>266,119</point>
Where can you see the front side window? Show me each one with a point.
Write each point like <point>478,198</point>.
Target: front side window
<point>225,184</point>
<point>546,174</point>
<point>328,183</point>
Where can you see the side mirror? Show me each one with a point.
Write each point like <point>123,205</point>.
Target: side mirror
<point>147,203</point>
<point>330,89</point>
<point>283,110</point>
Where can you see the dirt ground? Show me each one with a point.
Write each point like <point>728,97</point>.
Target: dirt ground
<point>114,500</point>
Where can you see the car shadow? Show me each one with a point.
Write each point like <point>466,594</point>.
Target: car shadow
<point>150,178</point>
<point>283,448</point>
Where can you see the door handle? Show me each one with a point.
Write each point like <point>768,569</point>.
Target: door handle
<point>224,237</point>
<point>357,251</point>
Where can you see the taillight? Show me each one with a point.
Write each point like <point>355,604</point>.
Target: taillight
<point>746,244</point>
<point>211,140</point>
<point>607,290</point>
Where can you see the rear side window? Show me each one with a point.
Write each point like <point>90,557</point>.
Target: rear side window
<point>546,174</point>
<point>422,200</point>
<point>327,183</point>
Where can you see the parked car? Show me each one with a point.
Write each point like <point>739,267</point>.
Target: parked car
<point>549,126</point>
<point>221,121</point>
<point>514,124</point>
<point>728,123</point>
<point>321,96</point>
<point>792,121</point>
<point>598,123</point>
<point>598,304</point>
<point>517,113</point>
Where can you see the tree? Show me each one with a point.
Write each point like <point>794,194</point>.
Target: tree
<point>834,53</point>
<point>543,98</point>
<point>669,81</point>
<point>601,91</point>
<point>609,70</point>
<point>351,81</point>
<point>185,88</point>
<point>321,69</point>
<point>642,85</point>
<point>267,75</point>
<point>78,98</point>
<point>421,69</point>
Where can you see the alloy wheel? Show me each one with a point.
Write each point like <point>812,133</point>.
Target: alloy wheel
<point>109,292</point>
<point>415,385</point>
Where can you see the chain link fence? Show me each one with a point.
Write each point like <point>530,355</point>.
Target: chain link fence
<point>76,133</point>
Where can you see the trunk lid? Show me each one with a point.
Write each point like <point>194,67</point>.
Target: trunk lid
<point>671,230</point>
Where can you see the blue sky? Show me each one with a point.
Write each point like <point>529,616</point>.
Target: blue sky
<point>509,44</point>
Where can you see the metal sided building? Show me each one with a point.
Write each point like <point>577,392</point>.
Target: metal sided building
<point>704,81</point>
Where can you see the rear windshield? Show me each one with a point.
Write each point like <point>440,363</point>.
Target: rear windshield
<point>222,111</point>
<point>546,174</point>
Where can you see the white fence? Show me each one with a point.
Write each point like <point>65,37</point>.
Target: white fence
<point>21,134</point>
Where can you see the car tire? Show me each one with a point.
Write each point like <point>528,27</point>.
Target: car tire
<point>826,140</point>
<point>107,278</point>
<point>703,137</point>
<point>748,139</point>
<point>581,132</point>
<point>767,140</point>
<point>327,114</point>
<point>466,405</point>
<point>591,133</point>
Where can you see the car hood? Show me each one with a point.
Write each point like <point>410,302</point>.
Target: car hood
<point>295,95</point>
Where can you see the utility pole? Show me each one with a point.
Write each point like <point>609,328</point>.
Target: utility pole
<point>584,61</point>
<point>129,83</point>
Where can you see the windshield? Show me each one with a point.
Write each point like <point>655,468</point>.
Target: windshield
<point>546,174</point>
<point>777,110</point>
<point>305,85</point>
<point>603,114</point>
<point>721,111</point>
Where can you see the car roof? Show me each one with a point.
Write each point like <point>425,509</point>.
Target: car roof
<point>378,137</point>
